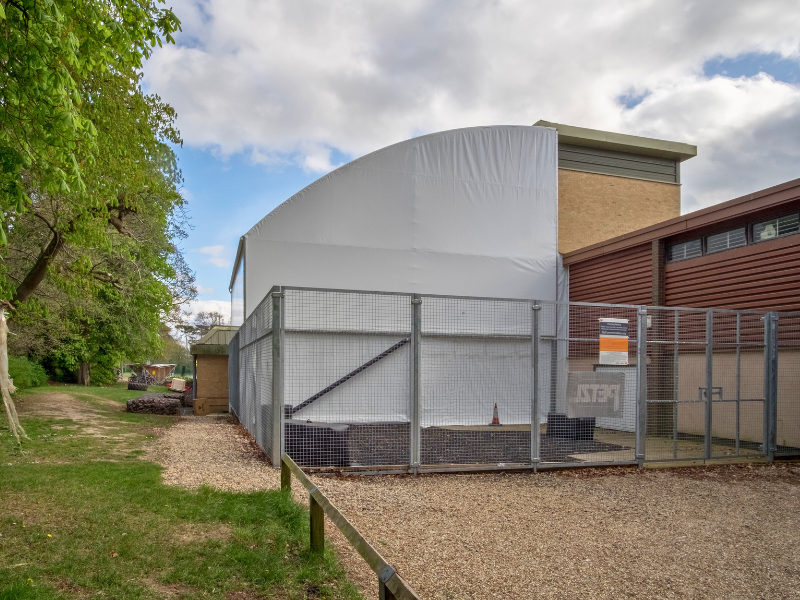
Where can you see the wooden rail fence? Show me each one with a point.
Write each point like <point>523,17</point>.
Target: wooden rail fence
<point>390,585</point>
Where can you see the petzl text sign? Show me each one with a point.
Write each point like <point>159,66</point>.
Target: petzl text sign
<point>595,394</point>
<point>613,341</point>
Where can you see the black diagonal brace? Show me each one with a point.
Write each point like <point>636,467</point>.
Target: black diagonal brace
<point>350,375</point>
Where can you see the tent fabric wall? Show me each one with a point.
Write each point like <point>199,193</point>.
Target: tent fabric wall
<point>463,212</point>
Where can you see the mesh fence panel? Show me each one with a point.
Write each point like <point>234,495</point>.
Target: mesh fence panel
<point>401,381</point>
<point>573,430</point>
<point>788,385</point>
<point>347,378</point>
<point>475,382</point>
<point>233,375</point>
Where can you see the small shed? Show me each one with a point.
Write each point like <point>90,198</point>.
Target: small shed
<point>210,369</point>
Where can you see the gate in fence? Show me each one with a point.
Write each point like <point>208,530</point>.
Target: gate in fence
<point>395,382</point>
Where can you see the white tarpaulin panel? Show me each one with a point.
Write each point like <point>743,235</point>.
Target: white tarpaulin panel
<point>463,212</point>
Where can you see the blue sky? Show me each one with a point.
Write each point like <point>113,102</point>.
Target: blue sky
<point>271,95</point>
<point>227,196</point>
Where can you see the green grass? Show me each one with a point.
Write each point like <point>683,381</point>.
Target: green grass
<point>84,516</point>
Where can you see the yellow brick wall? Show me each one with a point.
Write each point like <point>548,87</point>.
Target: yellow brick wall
<point>212,376</point>
<point>593,208</point>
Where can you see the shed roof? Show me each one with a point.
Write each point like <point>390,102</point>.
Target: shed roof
<point>738,207</point>
<point>216,341</point>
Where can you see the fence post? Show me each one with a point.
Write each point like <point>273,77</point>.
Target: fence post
<point>277,376</point>
<point>536,309</point>
<point>317,516</point>
<point>770,385</point>
<point>286,477</point>
<point>384,593</point>
<point>641,384</point>
<point>709,381</point>
<point>416,327</point>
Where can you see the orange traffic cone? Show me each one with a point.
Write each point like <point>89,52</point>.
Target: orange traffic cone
<point>495,417</point>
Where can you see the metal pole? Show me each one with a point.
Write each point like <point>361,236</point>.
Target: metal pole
<point>416,327</point>
<point>675,365</point>
<point>277,377</point>
<point>535,310</point>
<point>771,398</point>
<point>641,384</point>
<point>738,377</point>
<point>709,380</point>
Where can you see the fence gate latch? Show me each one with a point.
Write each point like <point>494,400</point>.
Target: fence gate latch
<point>387,573</point>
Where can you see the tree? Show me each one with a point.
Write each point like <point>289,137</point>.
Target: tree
<point>201,325</point>
<point>48,48</point>
<point>93,274</point>
<point>53,54</point>
<point>174,352</point>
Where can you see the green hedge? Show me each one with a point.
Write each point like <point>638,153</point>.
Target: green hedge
<point>26,373</point>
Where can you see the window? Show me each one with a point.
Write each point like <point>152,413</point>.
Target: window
<point>776,227</point>
<point>726,240</point>
<point>684,250</point>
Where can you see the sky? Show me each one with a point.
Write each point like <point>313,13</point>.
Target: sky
<point>271,95</point>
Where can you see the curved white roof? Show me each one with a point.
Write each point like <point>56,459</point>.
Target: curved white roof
<point>463,212</point>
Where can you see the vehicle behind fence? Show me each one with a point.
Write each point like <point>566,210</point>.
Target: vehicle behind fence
<point>411,382</point>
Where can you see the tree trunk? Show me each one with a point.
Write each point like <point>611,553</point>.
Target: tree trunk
<point>83,373</point>
<point>39,270</point>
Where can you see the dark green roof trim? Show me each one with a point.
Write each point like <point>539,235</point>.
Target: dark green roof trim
<point>594,138</point>
<point>208,349</point>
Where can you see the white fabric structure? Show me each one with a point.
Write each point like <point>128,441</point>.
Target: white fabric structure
<point>464,212</point>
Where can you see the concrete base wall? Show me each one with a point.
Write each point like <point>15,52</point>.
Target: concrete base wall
<point>212,376</point>
<point>593,208</point>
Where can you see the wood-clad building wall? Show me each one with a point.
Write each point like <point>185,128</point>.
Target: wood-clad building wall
<point>762,275</point>
<point>624,277</point>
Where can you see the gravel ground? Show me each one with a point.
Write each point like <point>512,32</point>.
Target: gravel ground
<point>213,450</point>
<point>723,532</point>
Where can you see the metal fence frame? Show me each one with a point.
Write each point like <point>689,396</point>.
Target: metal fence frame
<point>258,361</point>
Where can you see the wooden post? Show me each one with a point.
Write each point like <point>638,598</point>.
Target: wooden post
<point>286,477</point>
<point>317,524</point>
<point>384,593</point>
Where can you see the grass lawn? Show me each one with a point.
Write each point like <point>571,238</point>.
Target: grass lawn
<point>84,515</point>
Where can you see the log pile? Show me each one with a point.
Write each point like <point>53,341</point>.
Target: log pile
<point>156,404</point>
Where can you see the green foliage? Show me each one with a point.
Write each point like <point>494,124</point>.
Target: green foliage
<point>47,48</point>
<point>119,273</point>
<point>26,373</point>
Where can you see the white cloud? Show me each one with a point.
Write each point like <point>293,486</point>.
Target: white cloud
<point>217,255</point>
<point>288,82</point>
<point>204,290</point>
<point>221,306</point>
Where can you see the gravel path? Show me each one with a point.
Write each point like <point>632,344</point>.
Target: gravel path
<point>216,451</point>
<point>725,532</point>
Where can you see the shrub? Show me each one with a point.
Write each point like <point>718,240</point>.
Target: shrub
<point>26,373</point>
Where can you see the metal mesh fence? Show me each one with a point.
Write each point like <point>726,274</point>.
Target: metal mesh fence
<point>787,385</point>
<point>475,382</point>
<point>347,378</point>
<point>405,382</point>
